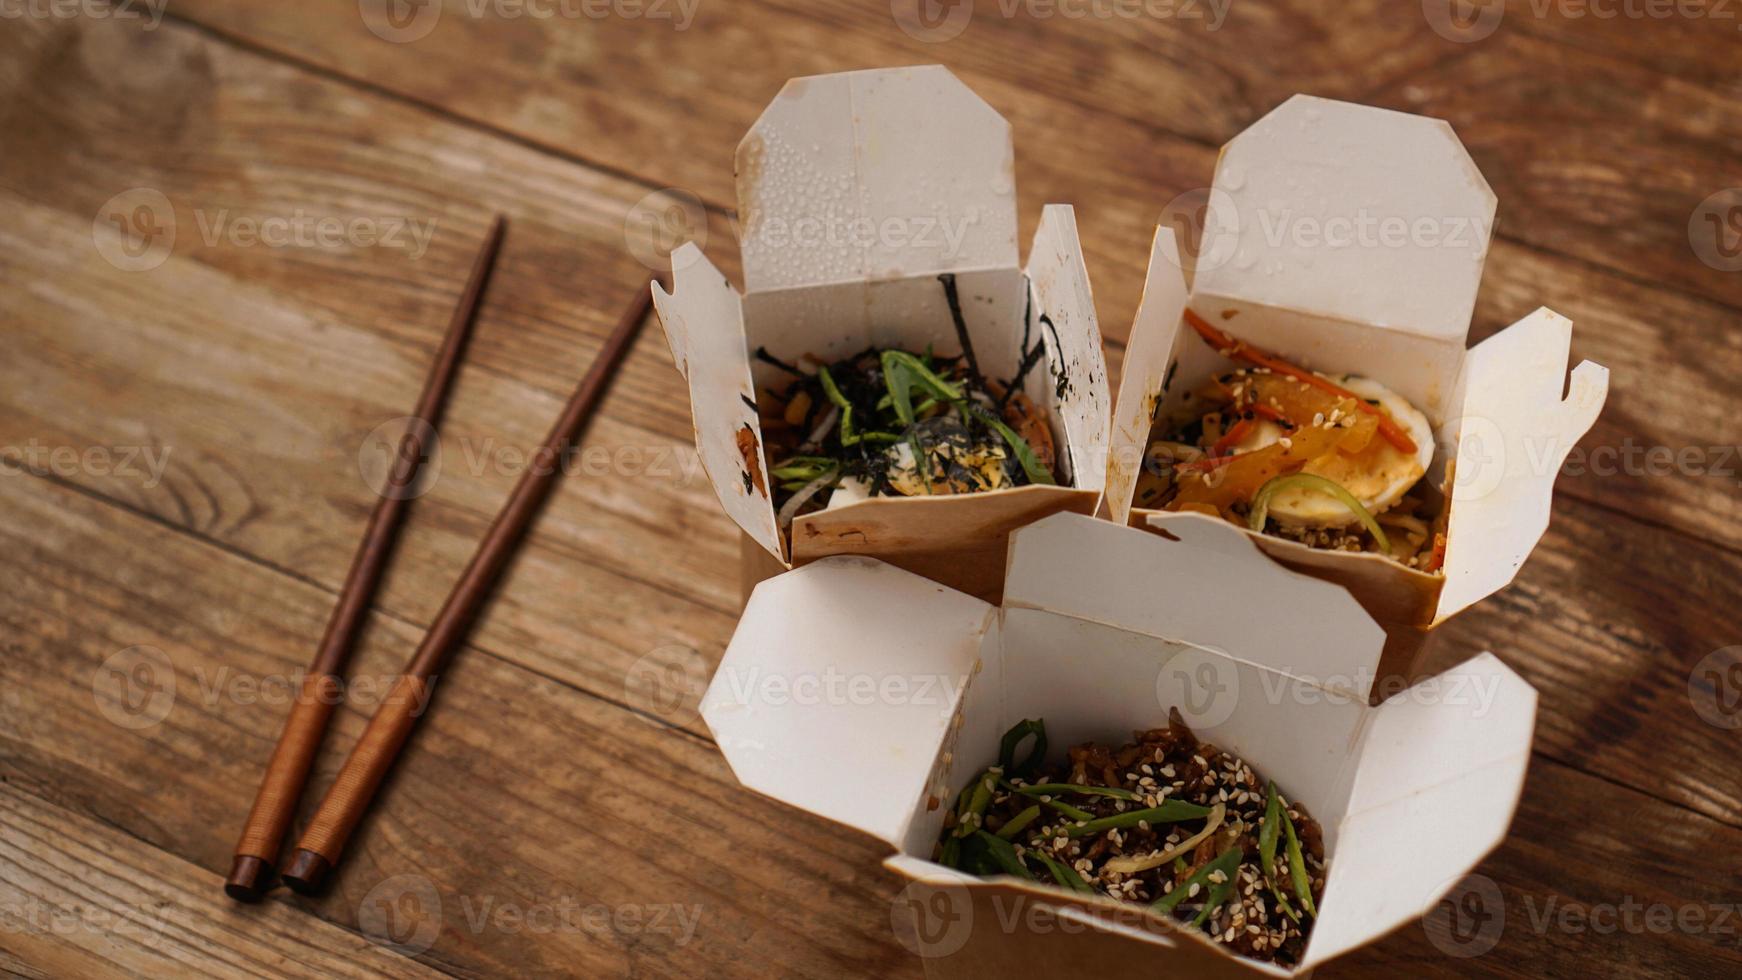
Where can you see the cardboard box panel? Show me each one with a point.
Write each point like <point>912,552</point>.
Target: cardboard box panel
<point>1410,793</point>
<point>889,152</point>
<point>1394,310</point>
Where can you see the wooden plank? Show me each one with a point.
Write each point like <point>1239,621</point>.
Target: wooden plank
<point>78,898</point>
<point>257,411</point>
<point>1587,877</point>
<point>588,806</point>
<point>518,795</point>
<point>1695,41</point>
<point>1594,157</point>
<point>1591,157</point>
<point>1658,342</point>
<point>252,385</point>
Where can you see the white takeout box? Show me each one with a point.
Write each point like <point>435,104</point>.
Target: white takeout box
<point>870,696</point>
<point>1350,239</point>
<point>855,192</point>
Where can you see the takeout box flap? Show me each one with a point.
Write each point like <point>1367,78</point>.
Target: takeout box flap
<point>800,705</point>
<point>1514,432</point>
<point>1440,769</point>
<point>1076,392</point>
<point>967,928</point>
<point>703,319</point>
<point>1145,372</point>
<point>1201,583</point>
<point>1349,213</point>
<point>873,175</point>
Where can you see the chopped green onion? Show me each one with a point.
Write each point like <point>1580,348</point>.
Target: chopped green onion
<point>1297,868</point>
<point>1018,446</point>
<point>1219,894</point>
<point>1172,811</point>
<point>1273,820</point>
<point>1227,862</point>
<point>1064,808</point>
<point>950,855</point>
<point>1016,823</point>
<point>1275,485</point>
<point>1013,738</point>
<point>1004,853</point>
<point>848,436</point>
<point>977,803</point>
<point>1064,874</point>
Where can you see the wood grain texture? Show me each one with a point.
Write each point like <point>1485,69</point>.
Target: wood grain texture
<point>258,373</point>
<point>78,898</point>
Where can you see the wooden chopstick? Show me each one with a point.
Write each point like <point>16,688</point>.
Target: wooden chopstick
<point>281,786</point>
<point>374,755</point>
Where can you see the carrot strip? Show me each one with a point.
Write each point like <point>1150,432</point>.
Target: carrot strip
<point>1266,412</point>
<point>1235,433</point>
<point>1240,350</point>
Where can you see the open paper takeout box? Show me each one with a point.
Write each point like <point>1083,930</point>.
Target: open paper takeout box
<point>1351,239</point>
<point>1102,630</point>
<point>855,192</point>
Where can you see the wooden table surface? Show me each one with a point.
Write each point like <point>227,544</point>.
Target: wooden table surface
<point>232,235</point>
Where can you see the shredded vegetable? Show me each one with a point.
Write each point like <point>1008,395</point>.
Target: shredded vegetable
<point>1311,481</point>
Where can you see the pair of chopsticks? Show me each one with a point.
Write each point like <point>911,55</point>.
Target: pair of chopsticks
<point>370,760</point>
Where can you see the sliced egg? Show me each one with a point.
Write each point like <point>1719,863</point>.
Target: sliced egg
<point>957,464</point>
<point>1378,476</point>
